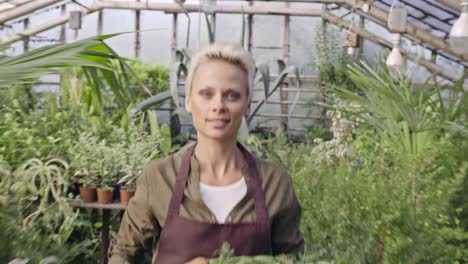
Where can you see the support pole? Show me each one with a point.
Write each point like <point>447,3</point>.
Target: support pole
<point>283,93</point>
<point>361,42</point>
<point>323,38</point>
<point>105,235</point>
<point>323,60</point>
<point>137,33</point>
<point>100,22</point>
<point>63,28</point>
<point>249,29</point>
<point>174,38</point>
<point>213,25</point>
<point>26,39</point>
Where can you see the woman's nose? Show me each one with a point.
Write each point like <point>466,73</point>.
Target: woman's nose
<point>218,104</point>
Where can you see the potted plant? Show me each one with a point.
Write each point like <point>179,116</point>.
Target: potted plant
<point>87,187</point>
<point>108,168</point>
<point>128,188</point>
<point>83,155</point>
<point>141,147</point>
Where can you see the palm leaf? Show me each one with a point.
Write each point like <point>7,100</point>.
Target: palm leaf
<point>91,52</point>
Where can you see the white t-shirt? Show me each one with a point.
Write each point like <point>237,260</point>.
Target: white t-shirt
<point>222,199</point>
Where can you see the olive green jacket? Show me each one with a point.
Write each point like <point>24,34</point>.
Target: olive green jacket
<point>146,213</point>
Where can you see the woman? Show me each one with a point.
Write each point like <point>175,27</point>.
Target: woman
<point>214,190</point>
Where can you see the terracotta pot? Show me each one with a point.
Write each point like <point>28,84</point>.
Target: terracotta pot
<point>88,194</point>
<point>105,195</point>
<point>125,195</point>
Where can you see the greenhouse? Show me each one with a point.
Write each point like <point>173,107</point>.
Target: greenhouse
<point>230,131</point>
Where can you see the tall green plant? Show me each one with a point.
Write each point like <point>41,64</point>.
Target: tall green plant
<point>105,74</point>
<point>409,116</point>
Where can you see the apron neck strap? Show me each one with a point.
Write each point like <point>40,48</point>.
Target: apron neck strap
<point>182,177</point>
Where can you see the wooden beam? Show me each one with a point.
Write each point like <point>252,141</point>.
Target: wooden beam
<point>46,26</point>
<point>190,8</point>
<point>25,9</point>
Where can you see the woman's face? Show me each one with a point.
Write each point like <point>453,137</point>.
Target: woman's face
<point>218,99</point>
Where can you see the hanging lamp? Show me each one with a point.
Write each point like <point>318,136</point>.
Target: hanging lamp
<point>395,59</point>
<point>459,32</point>
<point>396,23</point>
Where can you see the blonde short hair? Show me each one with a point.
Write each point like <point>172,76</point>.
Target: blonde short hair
<point>230,53</point>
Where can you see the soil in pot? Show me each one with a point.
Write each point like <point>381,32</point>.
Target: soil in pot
<point>105,195</point>
<point>88,194</point>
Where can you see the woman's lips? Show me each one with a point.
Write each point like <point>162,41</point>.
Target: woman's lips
<point>218,122</point>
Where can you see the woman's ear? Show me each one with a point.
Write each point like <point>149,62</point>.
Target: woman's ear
<point>188,106</point>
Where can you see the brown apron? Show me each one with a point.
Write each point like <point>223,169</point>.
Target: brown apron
<point>183,239</point>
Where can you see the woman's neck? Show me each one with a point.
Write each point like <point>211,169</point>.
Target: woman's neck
<point>219,161</point>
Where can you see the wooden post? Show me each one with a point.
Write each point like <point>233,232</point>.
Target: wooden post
<point>249,29</point>
<point>283,93</point>
<point>26,39</point>
<point>137,33</point>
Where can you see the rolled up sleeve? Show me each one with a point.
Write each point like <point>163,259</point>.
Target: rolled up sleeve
<point>137,229</point>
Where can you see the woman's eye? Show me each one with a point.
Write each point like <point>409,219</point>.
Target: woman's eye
<point>233,96</point>
<point>205,93</point>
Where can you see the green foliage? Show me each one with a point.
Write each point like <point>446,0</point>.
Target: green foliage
<point>33,244</point>
<point>96,161</point>
<point>154,77</point>
<point>141,147</point>
<point>40,133</point>
<point>390,186</point>
<point>410,116</point>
